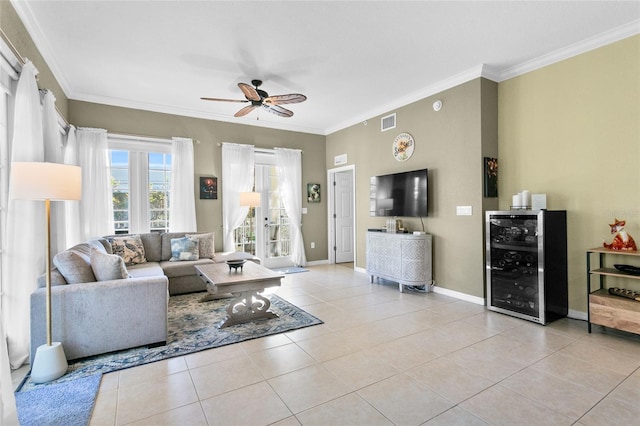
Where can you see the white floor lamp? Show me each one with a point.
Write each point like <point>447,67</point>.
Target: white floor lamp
<point>48,182</point>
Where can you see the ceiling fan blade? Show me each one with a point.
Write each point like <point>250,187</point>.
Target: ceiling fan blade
<point>249,92</point>
<point>244,111</point>
<point>292,98</point>
<point>277,110</point>
<point>224,100</point>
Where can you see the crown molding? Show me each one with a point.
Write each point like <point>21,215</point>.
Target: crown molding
<point>570,51</point>
<point>430,90</point>
<point>41,42</point>
<point>185,112</point>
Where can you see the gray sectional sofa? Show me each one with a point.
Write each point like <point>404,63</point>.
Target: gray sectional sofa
<point>104,299</point>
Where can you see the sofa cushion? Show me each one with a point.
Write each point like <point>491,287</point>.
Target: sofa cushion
<point>74,267</point>
<point>108,266</point>
<point>152,243</point>
<point>149,269</point>
<point>184,248</point>
<point>128,247</point>
<point>206,244</point>
<point>181,269</point>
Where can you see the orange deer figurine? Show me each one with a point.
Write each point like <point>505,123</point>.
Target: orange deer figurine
<point>622,240</point>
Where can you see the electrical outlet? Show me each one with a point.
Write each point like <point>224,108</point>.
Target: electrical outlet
<point>313,244</point>
<point>464,210</point>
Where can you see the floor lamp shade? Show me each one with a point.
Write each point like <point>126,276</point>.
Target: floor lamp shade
<point>249,199</point>
<point>45,181</point>
<point>48,182</point>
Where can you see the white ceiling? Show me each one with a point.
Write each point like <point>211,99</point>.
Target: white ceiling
<point>353,59</point>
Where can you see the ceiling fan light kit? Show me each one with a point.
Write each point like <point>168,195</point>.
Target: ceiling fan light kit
<point>261,99</point>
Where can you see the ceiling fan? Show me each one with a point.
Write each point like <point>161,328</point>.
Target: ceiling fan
<point>261,99</point>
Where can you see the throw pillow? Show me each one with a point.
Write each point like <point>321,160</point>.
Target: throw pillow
<point>108,266</point>
<point>129,248</point>
<point>73,267</point>
<point>206,244</point>
<point>184,248</point>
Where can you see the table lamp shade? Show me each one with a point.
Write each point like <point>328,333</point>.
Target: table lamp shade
<point>249,199</point>
<point>45,181</point>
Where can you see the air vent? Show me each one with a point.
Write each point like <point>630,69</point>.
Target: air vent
<point>388,122</point>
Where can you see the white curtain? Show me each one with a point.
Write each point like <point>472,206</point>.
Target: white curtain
<point>53,154</point>
<point>289,162</point>
<point>8,412</point>
<point>96,206</point>
<point>71,208</point>
<point>182,204</point>
<point>25,239</point>
<point>237,176</point>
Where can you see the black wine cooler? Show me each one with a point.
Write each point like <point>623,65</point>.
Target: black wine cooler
<point>526,264</point>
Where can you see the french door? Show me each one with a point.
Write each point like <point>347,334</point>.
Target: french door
<point>273,237</point>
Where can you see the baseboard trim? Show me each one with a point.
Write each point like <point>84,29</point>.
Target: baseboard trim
<point>573,314</point>
<point>577,315</point>
<point>458,295</point>
<point>317,262</point>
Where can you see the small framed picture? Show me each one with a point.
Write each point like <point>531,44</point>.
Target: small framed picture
<point>490,177</point>
<point>208,188</point>
<point>313,192</point>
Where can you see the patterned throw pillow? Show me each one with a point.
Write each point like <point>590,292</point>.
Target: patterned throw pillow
<point>206,244</point>
<point>129,248</point>
<point>108,266</point>
<point>184,248</point>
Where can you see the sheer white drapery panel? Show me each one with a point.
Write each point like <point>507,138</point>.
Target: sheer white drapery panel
<point>73,231</point>
<point>25,231</point>
<point>53,154</point>
<point>96,206</point>
<point>8,411</point>
<point>238,162</point>
<point>182,204</point>
<point>289,163</point>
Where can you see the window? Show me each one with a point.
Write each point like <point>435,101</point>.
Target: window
<point>141,183</point>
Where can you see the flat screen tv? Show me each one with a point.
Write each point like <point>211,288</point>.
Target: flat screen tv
<point>400,194</point>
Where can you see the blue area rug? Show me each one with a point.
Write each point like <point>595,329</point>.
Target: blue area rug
<point>290,270</point>
<point>192,327</point>
<point>61,404</point>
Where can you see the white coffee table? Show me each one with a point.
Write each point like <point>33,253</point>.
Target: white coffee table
<point>245,284</point>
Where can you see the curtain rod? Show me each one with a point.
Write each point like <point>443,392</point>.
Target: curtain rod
<point>22,61</point>
<point>146,137</point>
<point>267,150</point>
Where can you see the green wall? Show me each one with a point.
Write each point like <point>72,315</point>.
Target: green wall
<point>572,130</point>
<point>450,143</point>
<point>207,153</point>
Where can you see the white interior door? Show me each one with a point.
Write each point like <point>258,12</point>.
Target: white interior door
<point>344,215</point>
<point>273,243</point>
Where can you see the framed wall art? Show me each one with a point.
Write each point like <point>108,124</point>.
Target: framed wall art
<point>490,177</point>
<point>313,192</point>
<point>208,188</point>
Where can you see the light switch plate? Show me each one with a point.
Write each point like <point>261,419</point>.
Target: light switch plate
<point>464,210</point>
<point>304,210</point>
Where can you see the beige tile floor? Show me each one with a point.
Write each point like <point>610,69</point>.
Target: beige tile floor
<point>384,357</point>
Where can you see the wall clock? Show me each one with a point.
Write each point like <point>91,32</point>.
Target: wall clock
<point>403,146</point>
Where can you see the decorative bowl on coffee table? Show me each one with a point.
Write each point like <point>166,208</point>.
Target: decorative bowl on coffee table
<point>235,264</point>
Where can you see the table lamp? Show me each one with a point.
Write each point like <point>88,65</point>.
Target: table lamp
<point>48,182</point>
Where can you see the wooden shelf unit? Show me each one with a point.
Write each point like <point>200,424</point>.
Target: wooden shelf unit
<point>606,309</point>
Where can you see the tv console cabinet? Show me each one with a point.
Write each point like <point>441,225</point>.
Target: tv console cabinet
<point>401,258</point>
